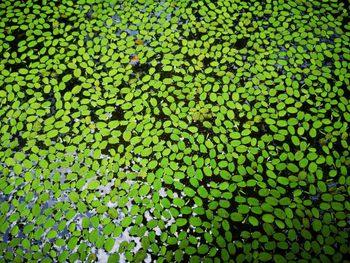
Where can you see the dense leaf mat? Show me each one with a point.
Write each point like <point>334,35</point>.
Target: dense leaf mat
<point>174,131</point>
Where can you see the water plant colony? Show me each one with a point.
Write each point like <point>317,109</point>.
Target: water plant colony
<point>174,131</point>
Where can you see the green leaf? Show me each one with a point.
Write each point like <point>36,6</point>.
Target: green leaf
<point>74,197</point>
<point>265,256</point>
<point>225,175</point>
<point>167,68</point>
<point>52,133</point>
<point>127,135</point>
<point>312,167</point>
<point>152,164</point>
<point>144,190</point>
<point>51,234</point>
<point>67,78</point>
<point>85,222</point>
<point>202,192</point>
<point>72,243</point>
<point>109,243</point>
<point>113,258</point>
<point>93,184</point>
<point>17,168</point>
<point>253,221</point>
<point>129,96</point>
<point>237,217</point>
<point>268,218</point>
<point>140,256</point>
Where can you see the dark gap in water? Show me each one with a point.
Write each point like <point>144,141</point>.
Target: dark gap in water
<point>14,67</point>
<point>21,141</point>
<point>109,146</point>
<point>165,137</point>
<point>206,62</point>
<point>73,82</point>
<point>345,22</point>
<point>52,106</point>
<point>117,114</point>
<point>94,116</point>
<point>59,78</point>
<point>141,68</point>
<point>207,132</point>
<point>64,19</point>
<point>241,43</point>
<point>19,36</point>
<point>196,36</point>
<point>346,90</point>
<point>161,116</point>
<point>346,5</point>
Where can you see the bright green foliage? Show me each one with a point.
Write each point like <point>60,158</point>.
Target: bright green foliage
<point>175,131</point>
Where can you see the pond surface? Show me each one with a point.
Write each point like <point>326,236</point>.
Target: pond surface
<point>174,131</point>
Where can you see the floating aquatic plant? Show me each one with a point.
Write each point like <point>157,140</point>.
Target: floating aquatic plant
<point>200,112</point>
<point>180,131</point>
